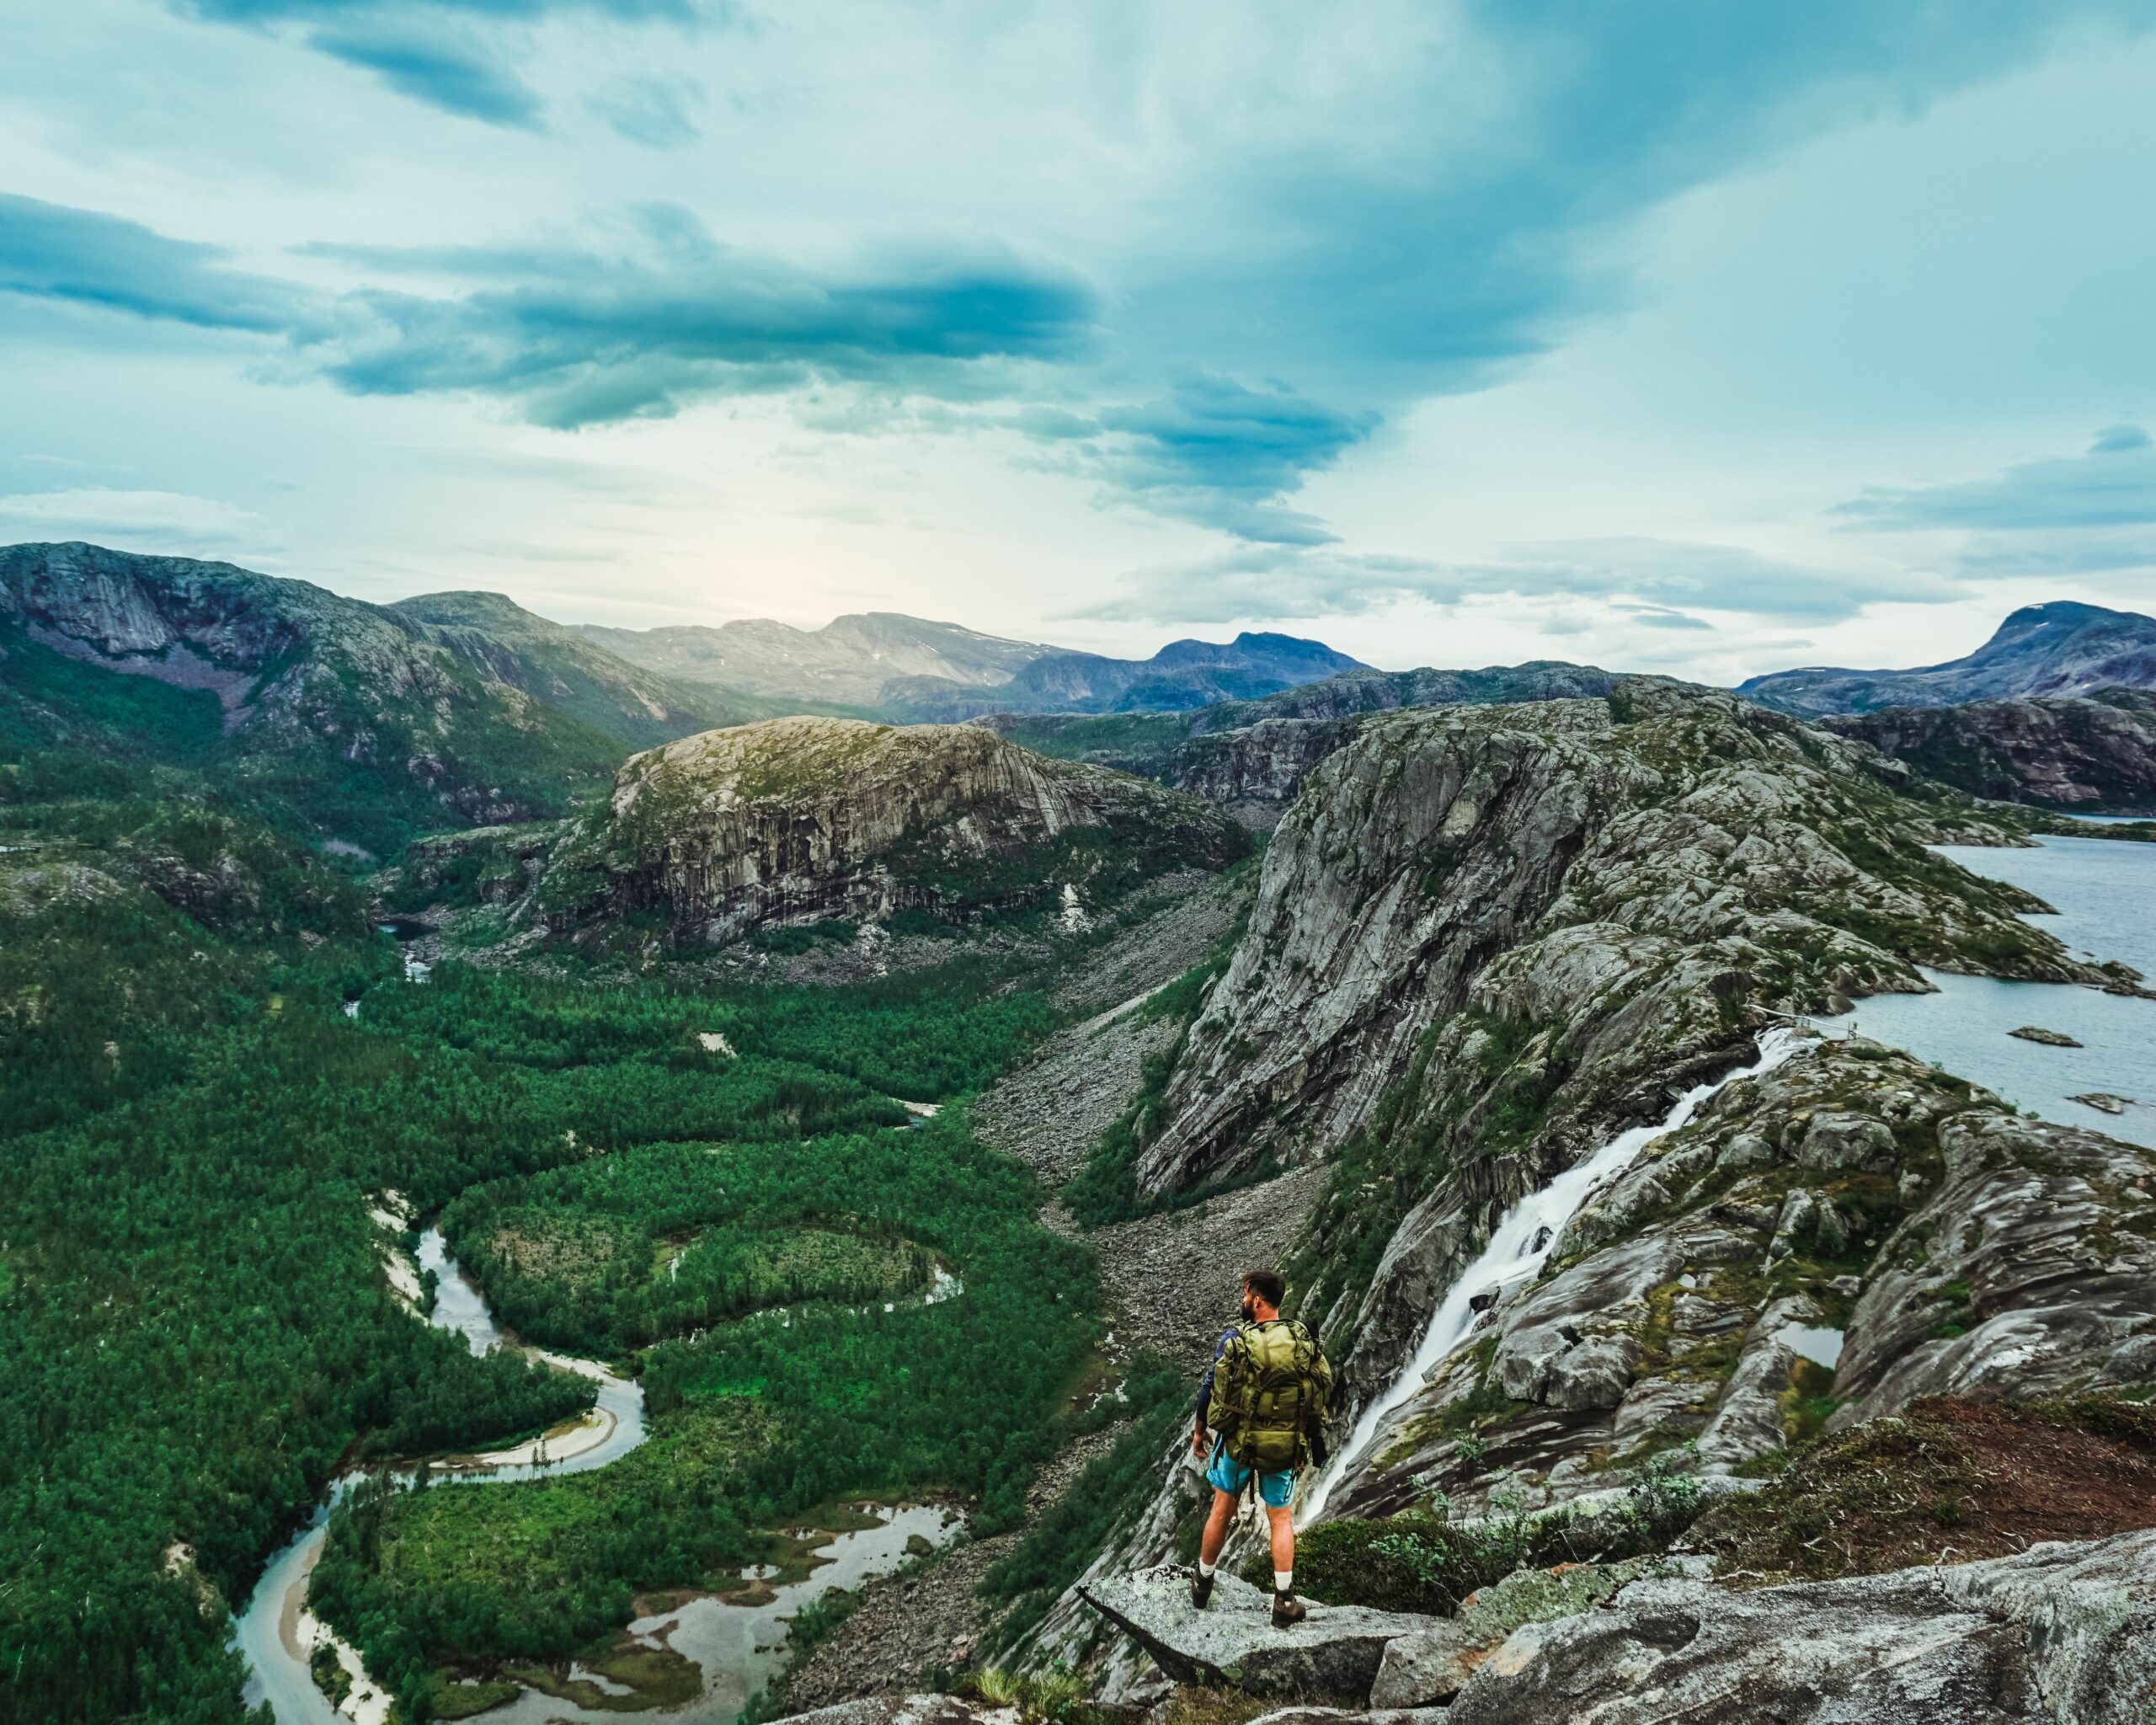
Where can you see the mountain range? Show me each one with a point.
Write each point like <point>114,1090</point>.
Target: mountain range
<point>1680,1352</point>
<point>365,723</point>
<point>2063,648</point>
<point>917,671</point>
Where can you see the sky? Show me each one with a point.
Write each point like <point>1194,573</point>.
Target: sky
<point>1684,336</point>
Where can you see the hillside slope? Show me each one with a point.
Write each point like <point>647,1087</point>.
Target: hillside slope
<point>2086,754</point>
<point>325,706</point>
<point>847,661</point>
<point>2061,649</point>
<point>566,670</point>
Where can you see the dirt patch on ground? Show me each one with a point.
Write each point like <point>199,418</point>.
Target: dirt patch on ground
<point>1949,1481</point>
<point>1174,1280</point>
<point>1049,1115</point>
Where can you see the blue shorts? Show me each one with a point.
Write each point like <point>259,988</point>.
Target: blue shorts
<point>1228,1475</point>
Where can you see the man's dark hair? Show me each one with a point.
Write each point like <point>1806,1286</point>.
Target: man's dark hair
<point>1267,1284</point>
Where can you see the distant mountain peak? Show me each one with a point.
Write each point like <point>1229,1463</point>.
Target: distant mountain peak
<point>2062,647</point>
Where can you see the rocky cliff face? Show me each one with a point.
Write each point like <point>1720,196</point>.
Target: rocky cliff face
<point>1254,772</point>
<point>1530,906</point>
<point>805,819</point>
<point>2060,648</point>
<point>2093,754</point>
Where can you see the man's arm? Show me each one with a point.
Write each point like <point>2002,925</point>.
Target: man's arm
<point>1198,1434</point>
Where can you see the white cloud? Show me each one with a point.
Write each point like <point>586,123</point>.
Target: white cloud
<point>136,520</point>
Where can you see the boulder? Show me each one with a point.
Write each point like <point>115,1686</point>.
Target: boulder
<point>1838,1140</point>
<point>909,1710</point>
<point>1435,1664</point>
<point>2062,1633</point>
<point>1332,1658</point>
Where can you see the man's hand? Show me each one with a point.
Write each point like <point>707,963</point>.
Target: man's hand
<point>1198,1441</point>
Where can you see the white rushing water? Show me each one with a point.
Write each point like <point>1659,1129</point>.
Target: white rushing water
<point>1515,1252</point>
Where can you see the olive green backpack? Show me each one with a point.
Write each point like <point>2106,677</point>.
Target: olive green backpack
<point>1269,1391</point>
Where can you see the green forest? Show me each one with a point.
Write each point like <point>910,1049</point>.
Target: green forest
<point>196,1328</point>
<point>752,1420</point>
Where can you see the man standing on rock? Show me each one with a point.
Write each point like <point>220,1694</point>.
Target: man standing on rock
<point>1261,1411</point>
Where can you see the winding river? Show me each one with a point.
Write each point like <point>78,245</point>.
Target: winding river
<point>740,1648</point>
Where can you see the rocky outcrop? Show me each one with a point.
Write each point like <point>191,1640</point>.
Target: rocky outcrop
<point>2089,754</point>
<point>2029,1266</point>
<point>2061,649</point>
<point>1484,942</point>
<point>1619,880</point>
<point>806,819</point>
<point>1332,1658</point>
<point>2065,1634</point>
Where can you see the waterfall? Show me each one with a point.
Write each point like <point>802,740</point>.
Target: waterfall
<point>1515,1252</point>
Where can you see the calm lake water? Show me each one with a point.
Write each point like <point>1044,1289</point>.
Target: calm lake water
<point>2103,893</point>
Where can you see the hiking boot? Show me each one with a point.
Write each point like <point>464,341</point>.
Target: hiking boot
<point>1201,1588</point>
<point>1287,1611</point>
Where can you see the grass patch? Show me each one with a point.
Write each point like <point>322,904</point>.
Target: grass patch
<point>1948,1480</point>
<point>1421,1562</point>
<point>451,1698</point>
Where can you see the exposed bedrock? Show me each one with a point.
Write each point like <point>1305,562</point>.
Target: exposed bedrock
<point>1631,872</point>
<point>805,819</point>
<point>2062,1633</point>
<point>1852,1199</point>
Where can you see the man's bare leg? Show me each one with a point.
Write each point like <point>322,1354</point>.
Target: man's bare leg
<point>1209,1546</point>
<point>1287,1608</point>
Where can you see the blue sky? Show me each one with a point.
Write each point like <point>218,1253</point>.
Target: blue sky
<point>1688,335</point>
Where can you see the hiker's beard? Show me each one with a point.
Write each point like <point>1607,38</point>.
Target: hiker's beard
<point>1250,1308</point>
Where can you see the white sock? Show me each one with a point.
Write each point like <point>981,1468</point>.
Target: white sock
<point>1283,1581</point>
<point>1204,1569</point>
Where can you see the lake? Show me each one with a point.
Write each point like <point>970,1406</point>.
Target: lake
<point>2103,893</point>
